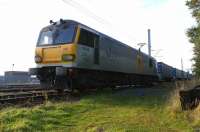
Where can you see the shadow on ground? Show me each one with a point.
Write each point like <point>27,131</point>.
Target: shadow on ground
<point>134,96</point>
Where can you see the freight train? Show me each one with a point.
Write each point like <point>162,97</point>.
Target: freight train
<point>169,73</point>
<point>71,55</point>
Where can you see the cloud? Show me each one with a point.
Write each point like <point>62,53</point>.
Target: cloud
<point>153,3</point>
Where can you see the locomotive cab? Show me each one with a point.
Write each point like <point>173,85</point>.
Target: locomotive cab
<point>56,44</point>
<point>55,54</point>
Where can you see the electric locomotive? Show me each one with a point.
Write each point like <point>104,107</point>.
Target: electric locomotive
<point>71,55</point>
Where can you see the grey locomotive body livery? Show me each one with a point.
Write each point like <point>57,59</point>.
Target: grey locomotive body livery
<point>108,62</point>
<point>113,56</point>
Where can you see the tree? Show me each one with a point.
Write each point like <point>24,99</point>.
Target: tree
<point>194,33</point>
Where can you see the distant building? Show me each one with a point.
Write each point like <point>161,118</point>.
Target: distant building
<point>2,80</point>
<point>16,77</point>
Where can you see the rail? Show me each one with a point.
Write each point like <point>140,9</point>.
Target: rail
<point>22,94</point>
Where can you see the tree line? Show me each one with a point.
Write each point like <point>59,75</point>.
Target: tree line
<point>194,34</point>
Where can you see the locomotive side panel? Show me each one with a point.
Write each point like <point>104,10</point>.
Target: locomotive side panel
<point>114,56</point>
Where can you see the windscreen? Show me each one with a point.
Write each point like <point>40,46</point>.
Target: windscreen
<point>53,35</point>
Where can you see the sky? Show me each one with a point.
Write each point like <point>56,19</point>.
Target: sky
<point>124,20</point>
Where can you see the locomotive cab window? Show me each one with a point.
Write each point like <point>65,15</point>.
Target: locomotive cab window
<point>62,34</point>
<point>87,38</point>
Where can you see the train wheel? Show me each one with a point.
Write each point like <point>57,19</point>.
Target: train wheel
<point>62,84</point>
<point>45,84</point>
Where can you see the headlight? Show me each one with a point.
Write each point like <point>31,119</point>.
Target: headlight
<point>68,57</point>
<point>38,59</point>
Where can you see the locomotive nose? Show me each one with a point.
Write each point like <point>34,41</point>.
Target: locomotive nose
<point>55,54</point>
<point>52,54</point>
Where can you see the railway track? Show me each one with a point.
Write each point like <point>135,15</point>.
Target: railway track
<point>34,94</point>
<point>4,88</point>
<point>27,94</point>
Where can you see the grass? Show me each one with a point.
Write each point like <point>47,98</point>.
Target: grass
<point>103,111</point>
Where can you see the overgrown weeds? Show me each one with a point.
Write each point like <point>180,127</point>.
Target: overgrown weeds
<point>130,110</point>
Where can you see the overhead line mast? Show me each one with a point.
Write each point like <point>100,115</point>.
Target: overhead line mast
<point>149,42</point>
